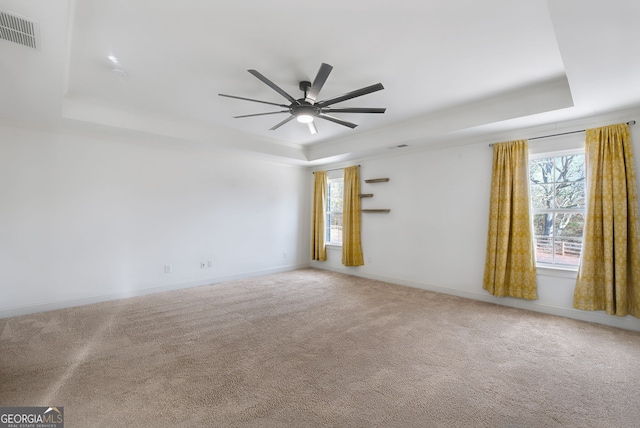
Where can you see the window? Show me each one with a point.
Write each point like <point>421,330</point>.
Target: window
<point>557,186</point>
<point>334,211</point>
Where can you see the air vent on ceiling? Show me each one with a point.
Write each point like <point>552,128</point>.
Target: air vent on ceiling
<point>18,29</point>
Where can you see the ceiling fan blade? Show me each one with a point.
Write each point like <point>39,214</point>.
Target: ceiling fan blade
<point>261,114</point>
<point>336,120</point>
<point>353,110</point>
<point>318,82</point>
<point>350,95</point>
<point>251,99</point>
<point>282,123</point>
<point>273,86</point>
<point>312,128</point>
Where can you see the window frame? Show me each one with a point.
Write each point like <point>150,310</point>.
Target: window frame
<point>556,154</point>
<point>329,213</point>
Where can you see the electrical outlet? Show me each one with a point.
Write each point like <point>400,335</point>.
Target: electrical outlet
<point>209,263</point>
<point>167,268</point>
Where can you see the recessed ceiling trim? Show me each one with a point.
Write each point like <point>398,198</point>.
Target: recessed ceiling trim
<point>20,30</point>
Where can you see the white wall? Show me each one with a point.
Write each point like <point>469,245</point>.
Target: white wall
<point>435,235</point>
<point>85,219</point>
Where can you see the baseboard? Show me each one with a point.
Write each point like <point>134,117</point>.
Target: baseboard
<point>87,300</point>
<point>599,317</point>
<point>627,323</point>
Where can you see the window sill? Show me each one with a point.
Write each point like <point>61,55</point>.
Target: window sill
<point>557,271</point>
<point>333,245</point>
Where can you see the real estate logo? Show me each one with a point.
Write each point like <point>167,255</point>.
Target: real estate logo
<point>31,417</point>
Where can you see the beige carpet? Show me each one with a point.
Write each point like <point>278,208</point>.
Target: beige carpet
<point>315,348</point>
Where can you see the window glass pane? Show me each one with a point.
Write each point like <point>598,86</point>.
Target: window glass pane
<point>570,195</point>
<point>335,234</point>
<point>335,192</point>
<point>334,214</point>
<point>569,224</point>
<point>569,168</point>
<point>543,225</point>
<point>543,249</point>
<point>542,196</point>
<point>327,222</point>
<point>541,170</point>
<point>567,251</point>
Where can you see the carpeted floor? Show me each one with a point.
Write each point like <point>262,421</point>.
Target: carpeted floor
<point>315,348</point>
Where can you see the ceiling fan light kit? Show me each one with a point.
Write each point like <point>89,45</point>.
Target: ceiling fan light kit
<point>304,118</point>
<point>306,109</point>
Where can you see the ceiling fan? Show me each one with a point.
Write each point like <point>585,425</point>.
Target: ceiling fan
<point>307,108</point>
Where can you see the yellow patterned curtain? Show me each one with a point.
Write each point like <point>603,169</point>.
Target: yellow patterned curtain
<point>510,267</point>
<point>318,228</point>
<point>351,247</point>
<point>609,273</point>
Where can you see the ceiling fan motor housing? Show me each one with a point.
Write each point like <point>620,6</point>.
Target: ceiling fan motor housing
<point>304,108</point>
<point>305,112</point>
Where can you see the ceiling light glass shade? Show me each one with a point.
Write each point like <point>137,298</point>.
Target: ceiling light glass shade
<point>304,118</point>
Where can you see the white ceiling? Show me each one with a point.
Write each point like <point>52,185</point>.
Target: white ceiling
<point>449,68</point>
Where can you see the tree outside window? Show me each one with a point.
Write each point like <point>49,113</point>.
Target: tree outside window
<point>557,187</point>
<point>334,213</point>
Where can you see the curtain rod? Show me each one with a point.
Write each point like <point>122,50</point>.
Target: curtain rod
<point>334,169</point>
<point>631,122</point>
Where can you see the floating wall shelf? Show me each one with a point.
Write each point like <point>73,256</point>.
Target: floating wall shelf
<point>368,195</point>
